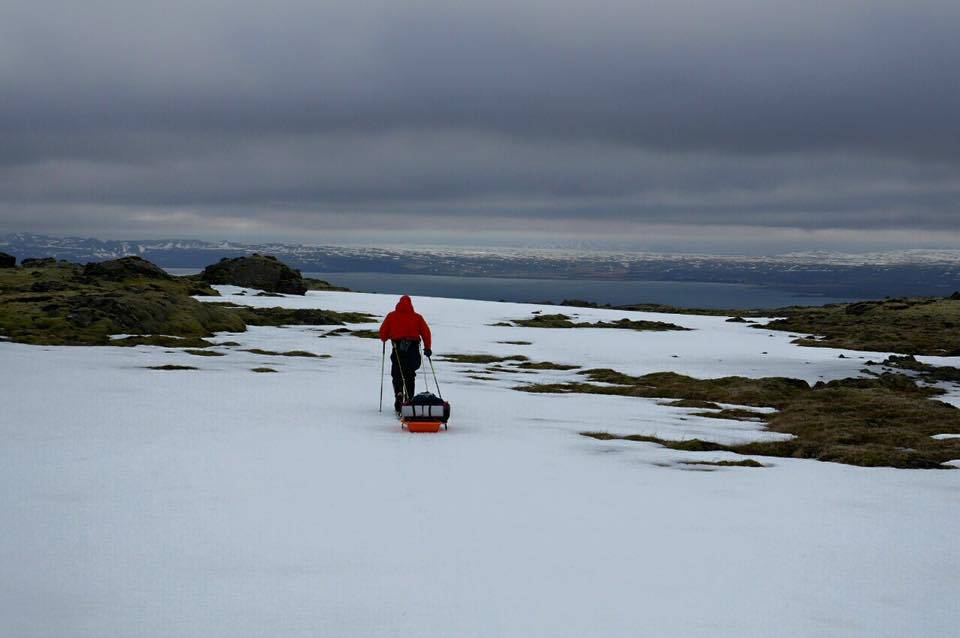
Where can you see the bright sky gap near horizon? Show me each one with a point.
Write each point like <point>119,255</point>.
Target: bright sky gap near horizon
<point>743,126</point>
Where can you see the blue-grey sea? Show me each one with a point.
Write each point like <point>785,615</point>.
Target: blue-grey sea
<point>682,294</point>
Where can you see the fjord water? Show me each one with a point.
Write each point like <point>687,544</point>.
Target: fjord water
<point>685,294</point>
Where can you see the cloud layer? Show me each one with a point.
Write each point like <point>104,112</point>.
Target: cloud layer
<point>302,119</point>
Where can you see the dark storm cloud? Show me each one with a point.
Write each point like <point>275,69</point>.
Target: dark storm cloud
<point>746,113</point>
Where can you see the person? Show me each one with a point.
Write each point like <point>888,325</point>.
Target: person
<point>405,327</point>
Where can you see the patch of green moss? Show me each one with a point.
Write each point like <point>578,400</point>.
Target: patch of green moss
<point>299,317</point>
<point>563,321</point>
<point>692,403</point>
<point>365,334</point>
<point>882,421</point>
<point>735,414</point>
<point>163,341</point>
<point>58,303</point>
<point>743,463</point>
<point>291,353</point>
<point>204,353</point>
<point>927,372</point>
<point>320,284</point>
<point>481,358</point>
<point>925,326</point>
<point>545,365</point>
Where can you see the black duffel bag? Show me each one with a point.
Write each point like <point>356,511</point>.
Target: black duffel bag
<point>426,406</point>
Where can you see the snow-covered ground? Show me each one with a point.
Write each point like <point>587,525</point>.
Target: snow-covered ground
<point>221,502</point>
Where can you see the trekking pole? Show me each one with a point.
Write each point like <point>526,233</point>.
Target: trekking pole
<point>383,356</point>
<point>426,379</point>
<point>430,359</point>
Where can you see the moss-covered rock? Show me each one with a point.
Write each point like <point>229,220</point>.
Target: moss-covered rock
<point>125,268</point>
<point>263,272</point>
<point>52,302</point>
<point>56,302</point>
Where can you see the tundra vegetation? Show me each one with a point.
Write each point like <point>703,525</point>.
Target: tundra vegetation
<point>920,326</point>
<point>44,301</point>
<point>887,420</point>
<point>291,353</point>
<point>564,321</point>
<point>906,325</point>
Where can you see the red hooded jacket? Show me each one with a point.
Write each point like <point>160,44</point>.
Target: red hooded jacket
<point>405,323</point>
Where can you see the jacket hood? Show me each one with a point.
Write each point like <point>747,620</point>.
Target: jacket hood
<point>405,304</point>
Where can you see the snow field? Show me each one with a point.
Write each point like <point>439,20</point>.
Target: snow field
<point>221,502</point>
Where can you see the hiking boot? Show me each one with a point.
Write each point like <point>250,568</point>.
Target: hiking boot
<point>398,400</point>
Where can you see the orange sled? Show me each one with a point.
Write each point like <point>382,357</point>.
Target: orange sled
<point>422,426</point>
<point>424,413</point>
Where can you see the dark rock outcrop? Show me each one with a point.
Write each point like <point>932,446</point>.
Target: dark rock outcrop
<point>262,272</point>
<point>7,261</point>
<point>38,262</point>
<point>125,268</point>
<point>955,296</point>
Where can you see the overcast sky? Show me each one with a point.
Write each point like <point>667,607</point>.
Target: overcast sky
<point>746,125</point>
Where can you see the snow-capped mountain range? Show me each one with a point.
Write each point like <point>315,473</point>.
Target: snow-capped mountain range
<point>892,273</point>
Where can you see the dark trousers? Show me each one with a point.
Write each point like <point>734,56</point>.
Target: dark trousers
<point>404,363</point>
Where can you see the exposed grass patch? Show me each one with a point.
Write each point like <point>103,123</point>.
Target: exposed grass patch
<point>735,414</point>
<point>771,391</point>
<point>297,316</point>
<point>686,445</point>
<point>516,343</point>
<point>743,463</point>
<point>693,403</point>
<point>290,353</point>
<point>916,325</point>
<point>883,421</point>
<point>545,365</point>
<point>365,334</point>
<point>545,321</point>
<point>563,321</point>
<point>511,370</point>
<point>926,326</point>
<point>172,367</point>
<point>481,358</point>
<point>262,370</point>
<point>204,353</point>
<point>925,371</point>
<point>162,341</point>
<point>320,284</point>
